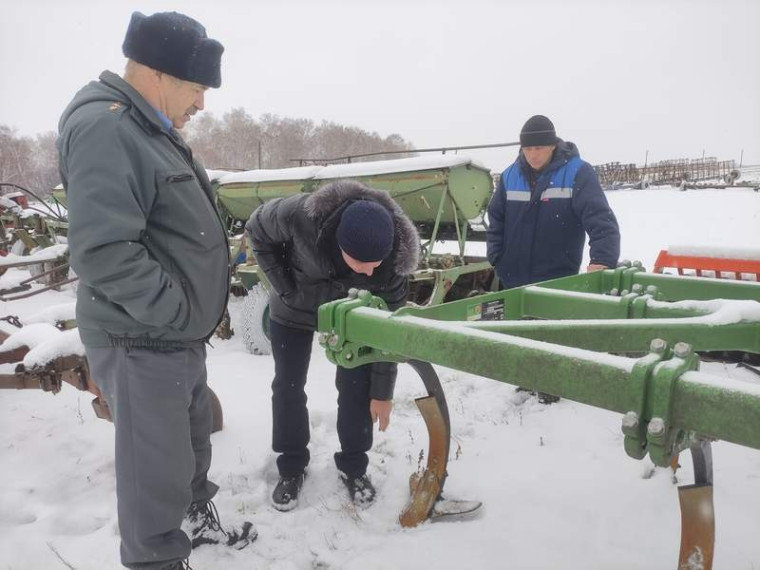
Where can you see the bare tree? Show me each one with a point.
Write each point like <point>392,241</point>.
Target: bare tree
<point>238,141</point>
<point>27,162</point>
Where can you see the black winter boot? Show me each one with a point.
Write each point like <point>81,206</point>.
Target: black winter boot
<point>204,527</point>
<point>360,489</point>
<point>285,494</point>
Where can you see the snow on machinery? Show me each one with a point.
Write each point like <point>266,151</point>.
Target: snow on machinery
<point>445,196</point>
<point>623,339</point>
<point>30,237</point>
<point>47,352</point>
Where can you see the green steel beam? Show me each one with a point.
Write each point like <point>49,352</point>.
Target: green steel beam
<point>665,401</point>
<point>633,335</point>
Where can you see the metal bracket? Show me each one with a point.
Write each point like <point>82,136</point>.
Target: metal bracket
<point>341,351</point>
<point>647,429</point>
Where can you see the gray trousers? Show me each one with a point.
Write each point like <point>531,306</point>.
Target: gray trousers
<point>161,409</point>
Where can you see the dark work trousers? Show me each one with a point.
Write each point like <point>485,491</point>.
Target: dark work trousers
<point>160,405</point>
<point>291,349</point>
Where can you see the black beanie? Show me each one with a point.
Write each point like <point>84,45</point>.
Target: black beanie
<point>175,44</point>
<point>365,231</point>
<point>538,131</point>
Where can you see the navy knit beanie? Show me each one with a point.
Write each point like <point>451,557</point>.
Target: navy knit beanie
<point>538,131</point>
<point>175,44</point>
<point>365,231</point>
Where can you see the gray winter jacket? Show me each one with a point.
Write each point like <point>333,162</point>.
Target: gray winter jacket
<point>294,244</point>
<point>145,237</point>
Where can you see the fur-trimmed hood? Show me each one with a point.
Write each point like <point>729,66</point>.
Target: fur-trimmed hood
<point>323,203</point>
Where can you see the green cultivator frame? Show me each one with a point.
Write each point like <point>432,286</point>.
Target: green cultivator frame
<point>624,340</point>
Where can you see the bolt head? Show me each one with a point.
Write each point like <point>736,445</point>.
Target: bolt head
<point>682,349</point>
<point>349,355</point>
<point>333,340</point>
<point>656,427</point>
<point>658,345</point>
<point>630,420</point>
<point>615,292</point>
<point>353,293</point>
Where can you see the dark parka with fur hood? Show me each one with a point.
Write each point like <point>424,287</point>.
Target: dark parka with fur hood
<point>294,244</point>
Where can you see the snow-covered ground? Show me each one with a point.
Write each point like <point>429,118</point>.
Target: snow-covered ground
<point>558,489</point>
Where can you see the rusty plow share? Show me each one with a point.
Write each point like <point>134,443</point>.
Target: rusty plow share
<point>426,489</point>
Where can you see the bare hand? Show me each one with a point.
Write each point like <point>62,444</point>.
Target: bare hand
<point>381,410</point>
<point>595,267</point>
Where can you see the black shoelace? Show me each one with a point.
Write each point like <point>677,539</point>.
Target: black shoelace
<point>211,516</point>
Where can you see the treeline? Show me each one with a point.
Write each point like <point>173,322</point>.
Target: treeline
<point>236,141</point>
<point>29,162</point>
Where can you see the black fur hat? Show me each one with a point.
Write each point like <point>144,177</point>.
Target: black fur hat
<point>175,44</point>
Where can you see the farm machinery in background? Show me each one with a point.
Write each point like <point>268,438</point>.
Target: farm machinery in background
<point>445,196</point>
<point>32,236</point>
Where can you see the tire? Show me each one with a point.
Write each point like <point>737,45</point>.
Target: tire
<point>216,412</point>
<point>256,321</point>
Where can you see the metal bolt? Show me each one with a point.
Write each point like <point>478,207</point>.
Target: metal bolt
<point>323,337</point>
<point>656,427</point>
<point>624,292</point>
<point>651,290</point>
<point>333,340</point>
<point>624,263</point>
<point>353,293</point>
<point>630,420</point>
<point>638,264</point>
<point>614,292</point>
<point>658,345</point>
<point>637,288</point>
<point>349,355</point>
<point>682,349</point>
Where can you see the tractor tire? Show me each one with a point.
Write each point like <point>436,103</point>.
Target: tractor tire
<point>256,321</point>
<point>217,422</point>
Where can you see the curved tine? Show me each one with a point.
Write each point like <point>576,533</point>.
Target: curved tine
<point>433,386</point>
<point>701,457</point>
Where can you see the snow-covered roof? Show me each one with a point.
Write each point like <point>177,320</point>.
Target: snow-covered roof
<point>298,173</point>
<point>216,174</point>
<point>398,165</point>
<point>351,170</point>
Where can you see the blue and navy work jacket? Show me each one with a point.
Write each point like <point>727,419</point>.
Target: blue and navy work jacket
<point>537,227</point>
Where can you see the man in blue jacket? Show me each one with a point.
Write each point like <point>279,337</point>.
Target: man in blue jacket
<point>544,205</point>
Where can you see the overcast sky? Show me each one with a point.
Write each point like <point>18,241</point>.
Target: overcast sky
<point>619,78</point>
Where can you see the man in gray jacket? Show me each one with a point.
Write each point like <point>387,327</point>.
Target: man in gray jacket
<point>151,253</point>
